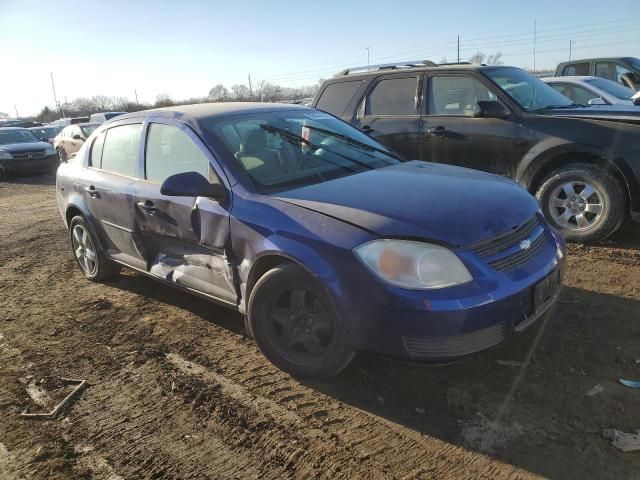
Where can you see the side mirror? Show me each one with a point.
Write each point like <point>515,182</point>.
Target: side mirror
<point>192,184</point>
<point>491,109</point>
<point>597,101</point>
<point>77,137</point>
<point>44,139</point>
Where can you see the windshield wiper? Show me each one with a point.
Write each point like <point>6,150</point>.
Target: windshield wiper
<point>292,136</point>
<point>352,141</point>
<point>558,107</point>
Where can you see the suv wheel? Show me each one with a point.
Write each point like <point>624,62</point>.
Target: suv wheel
<point>295,325</point>
<point>90,258</point>
<point>585,202</point>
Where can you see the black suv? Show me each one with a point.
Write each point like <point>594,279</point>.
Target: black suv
<point>582,164</point>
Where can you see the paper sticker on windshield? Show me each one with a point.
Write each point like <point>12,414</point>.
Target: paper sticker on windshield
<point>318,116</point>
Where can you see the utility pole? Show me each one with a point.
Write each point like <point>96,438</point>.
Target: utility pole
<point>16,109</point>
<point>55,98</point>
<point>250,88</point>
<point>535,34</point>
<point>458,48</point>
<point>135,92</point>
<point>571,43</point>
<point>367,48</point>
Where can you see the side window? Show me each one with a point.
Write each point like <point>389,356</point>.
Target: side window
<point>96,151</point>
<point>396,96</point>
<point>613,71</point>
<point>336,97</point>
<point>576,69</point>
<point>582,95</point>
<point>120,150</point>
<point>170,151</point>
<point>456,95</point>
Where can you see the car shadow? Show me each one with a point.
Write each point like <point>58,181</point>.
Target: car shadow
<point>627,237</point>
<point>523,402</point>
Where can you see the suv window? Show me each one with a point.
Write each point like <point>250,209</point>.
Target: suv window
<point>395,96</point>
<point>576,69</point>
<point>456,95</point>
<point>120,150</point>
<point>337,96</point>
<point>170,151</point>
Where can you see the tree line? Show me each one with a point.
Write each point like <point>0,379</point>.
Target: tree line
<point>262,92</point>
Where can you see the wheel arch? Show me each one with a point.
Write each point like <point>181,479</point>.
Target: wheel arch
<point>534,169</point>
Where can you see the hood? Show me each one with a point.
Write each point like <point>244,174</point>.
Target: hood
<point>24,147</point>
<point>421,200</point>
<point>615,113</point>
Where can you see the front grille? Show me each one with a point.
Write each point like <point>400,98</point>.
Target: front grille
<point>455,345</point>
<point>500,252</point>
<point>489,247</point>
<point>520,258</point>
<point>30,154</point>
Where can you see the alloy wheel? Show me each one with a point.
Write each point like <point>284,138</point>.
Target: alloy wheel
<point>84,250</point>
<point>301,326</point>
<point>576,205</point>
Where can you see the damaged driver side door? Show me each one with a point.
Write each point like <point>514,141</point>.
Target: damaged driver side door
<point>186,239</point>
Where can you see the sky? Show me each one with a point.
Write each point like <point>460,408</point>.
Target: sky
<point>184,48</point>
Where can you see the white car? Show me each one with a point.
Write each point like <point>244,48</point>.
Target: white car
<point>593,91</point>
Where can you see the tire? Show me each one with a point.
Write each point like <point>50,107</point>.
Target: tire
<point>300,333</point>
<point>584,201</point>
<point>95,266</point>
<point>62,155</point>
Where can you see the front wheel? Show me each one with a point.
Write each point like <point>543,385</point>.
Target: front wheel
<point>585,202</point>
<point>295,325</point>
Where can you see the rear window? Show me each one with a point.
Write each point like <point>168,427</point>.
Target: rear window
<point>120,150</point>
<point>336,97</point>
<point>576,69</point>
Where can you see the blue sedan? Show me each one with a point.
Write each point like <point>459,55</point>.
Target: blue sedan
<point>324,239</point>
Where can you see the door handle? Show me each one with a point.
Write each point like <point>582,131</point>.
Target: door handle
<point>437,131</point>
<point>91,190</point>
<point>148,207</point>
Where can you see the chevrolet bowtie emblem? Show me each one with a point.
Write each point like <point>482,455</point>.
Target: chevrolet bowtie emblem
<point>525,244</point>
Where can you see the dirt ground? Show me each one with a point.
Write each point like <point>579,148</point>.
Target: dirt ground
<point>177,391</point>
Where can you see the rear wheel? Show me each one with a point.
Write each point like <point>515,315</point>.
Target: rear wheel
<point>295,325</point>
<point>90,258</point>
<point>585,202</point>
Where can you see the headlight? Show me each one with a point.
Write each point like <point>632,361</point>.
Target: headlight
<point>5,155</point>
<point>413,265</point>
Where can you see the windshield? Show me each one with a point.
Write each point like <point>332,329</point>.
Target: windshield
<point>17,136</point>
<point>633,61</point>
<point>288,149</point>
<point>88,129</point>
<point>612,88</point>
<point>528,91</point>
<point>45,132</point>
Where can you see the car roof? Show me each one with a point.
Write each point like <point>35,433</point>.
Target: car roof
<point>438,68</point>
<point>578,78</point>
<point>204,110</point>
<point>83,124</point>
<point>14,128</point>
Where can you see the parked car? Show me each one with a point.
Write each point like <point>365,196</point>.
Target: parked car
<point>595,91</point>
<point>22,152</point>
<point>63,122</point>
<point>624,70</point>
<point>46,133</point>
<point>104,116</point>
<point>322,237</point>
<point>71,138</point>
<point>583,167</point>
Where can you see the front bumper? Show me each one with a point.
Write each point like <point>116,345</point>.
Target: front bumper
<point>439,326</point>
<point>31,165</point>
